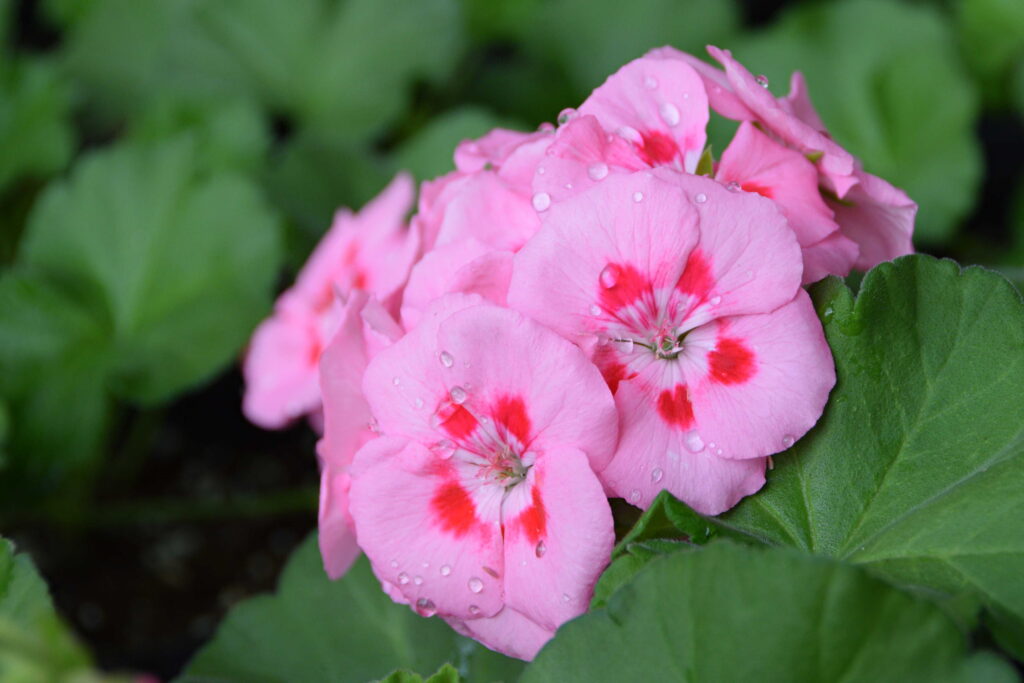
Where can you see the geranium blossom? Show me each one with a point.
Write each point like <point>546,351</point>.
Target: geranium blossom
<point>372,250</point>
<point>687,296</point>
<point>479,501</point>
<point>878,217</point>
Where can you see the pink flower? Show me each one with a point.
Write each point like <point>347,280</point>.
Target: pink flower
<point>687,297</point>
<point>479,502</point>
<point>364,329</point>
<point>878,217</point>
<point>371,251</point>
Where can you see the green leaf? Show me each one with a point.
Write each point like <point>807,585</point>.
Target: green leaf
<point>174,264</point>
<point>706,163</point>
<point>734,613</point>
<point>229,135</point>
<point>429,153</point>
<point>916,469</point>
<point>35,129</point>
<point>888,82</point>
<point>992,41</point>
<point>606,33</point>
<point>446,674</point>
<point>344,67</point>
<point>34,644</point>
<point>314,629</point>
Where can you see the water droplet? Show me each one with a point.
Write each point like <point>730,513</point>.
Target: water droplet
<point>597,171</point>
<point>566,115</point>
<point>828,312</point>
<point>669,113</point>
<point>657,474</point>
<point>651,83</point>
<point>638,197</point>
<point>475,585</point>
<point>403,578</point>
<point>715,300</point>
<point>565,597</point>
<point>446,359</point>
<point>630,133</point>
<point>396,381</point>
<point>418,402</point>
<point>540,549</point>
<point>634,496</point>
<point>595,310</point>
<point>718,451</point>
<point>700,198</point>
<point>609,276</point>
<point>446,569</point>
<point>732,186</point>
<point>418,580</point>
<point>426,607</point>
<point>458,395</point>
<point>625,345</point>
<point>541,201</point>
<point>394,564</point>
<point>568,186</point>
<point>474,610</point>
<point>426,565</point>
<point>693,442</point>
<point>762,80</point>
<point>444,449</point>
<point>541,170</point>
<point>787,441</point>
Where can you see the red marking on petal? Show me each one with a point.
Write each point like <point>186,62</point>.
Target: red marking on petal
<point>674,407</point>
<point>454,508</point>
<point>325,299</point>
<point>359,280</point>
<point>731,362</point>
<point>510,412</point>
<point>457,421</point>
<point>534,519</point>
<point>657,148</point>
<point>619,286</point>
<point>696,278</point>
<point>348,257</point>
<point>762,190</point>
<point>315,351</point>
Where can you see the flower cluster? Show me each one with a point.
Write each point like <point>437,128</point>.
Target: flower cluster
<point>592,310</point>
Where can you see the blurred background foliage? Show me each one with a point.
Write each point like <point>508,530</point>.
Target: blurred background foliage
<point>166,166</point>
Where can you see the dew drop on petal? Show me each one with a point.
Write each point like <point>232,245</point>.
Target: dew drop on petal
<point>418,580</point>
<point>718,451</point>
<point>669,113</point>
<point>446,569</point>
<point>566,115</point>
<point>609,276</point>
<point>394,564</point>
<point>418,402</point>
<point>693,442</point>
<point>657,474</point>
<point>446,359</point>
<point>540,549</point>
<point>700,198</point>
<point>715,300</point>
<point>630,133</point>
<point>458,395</point>
<point>732,186</point>
<point>474,610</point>
<point>426,607</point>
<point>396,381</point>
<point>595,310</point>
<point>403,578</point>
<point>565,597</point>
<point>475,585</point>
<point>634,496</point>
<point>651,83</point>
<point>598,171</point>
<point>541,170</point>
<point>541,201</point>
<point>444,449</point>
<point>788,441</point>
<point>762,80</point>
<point>638,197</point>
<point>711,445</point>
<point>626,345</point>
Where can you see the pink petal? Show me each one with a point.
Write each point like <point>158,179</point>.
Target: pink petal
<point>767,381</point>
<point>878,217</point>
<point>337,537</point>
<point>491,150</point>
<point>422,531</point>
<point>465,266</point>
<point>721,97</point>
<point>798,102</point>
<point>280,368</point>
<point>834,255</point>
<point>508,632</point>
<point>551,566</point>
<point>485,208</point>
<point>659,106</point>
<point>756,163</point>
<point>654,455</point>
